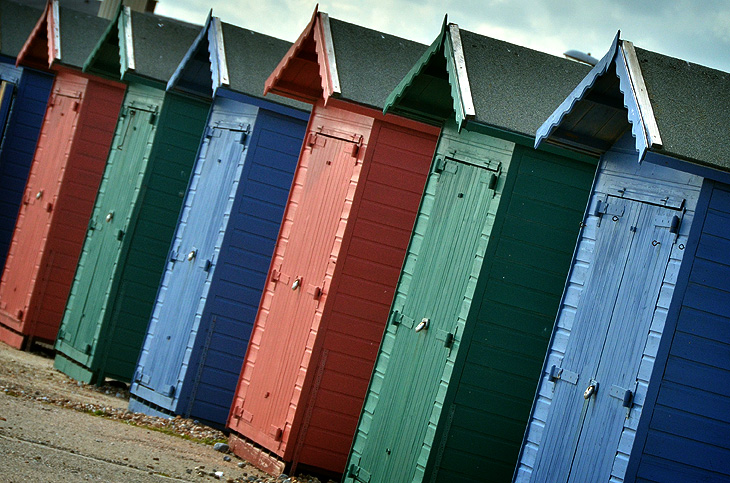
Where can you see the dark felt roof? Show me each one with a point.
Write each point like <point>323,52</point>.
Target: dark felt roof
<point>79,34</point>
<point>691,105</point>
<point>87,6</point>
<point>370,64</point>
<point>160,43</point>
<point>16,24</point>
<point>513,87</point>
<point>251,57</point>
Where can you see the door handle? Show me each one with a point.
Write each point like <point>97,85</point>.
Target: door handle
<point>422,325</point>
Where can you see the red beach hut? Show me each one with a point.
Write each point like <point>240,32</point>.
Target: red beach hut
<point>64,176</point>
<point>344,235</point>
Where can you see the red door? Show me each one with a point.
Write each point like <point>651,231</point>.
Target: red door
<point>20,279</point>
<point>307,249</point>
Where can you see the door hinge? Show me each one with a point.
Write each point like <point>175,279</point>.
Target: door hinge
<point>358,473</point>
<point>556,373</point>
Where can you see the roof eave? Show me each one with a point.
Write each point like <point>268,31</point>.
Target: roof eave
<point>319,30</point>
<point>43,27</point>
<point>636,98</point>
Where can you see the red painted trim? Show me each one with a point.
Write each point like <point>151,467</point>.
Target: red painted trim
<point>271,82</point>
<point>258,457</point>
<point>389,118</point>
<point>40,26</point>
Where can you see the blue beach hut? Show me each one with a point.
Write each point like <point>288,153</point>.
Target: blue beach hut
<point>225,236</point>
<point>633,385</point>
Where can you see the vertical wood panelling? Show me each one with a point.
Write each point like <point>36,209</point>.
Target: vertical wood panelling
<point>183,292</point>
<point>18,146</point>
<point>122,182</point>
<point>57,202</point>
<point>380,227</point>
<point>619,174</point>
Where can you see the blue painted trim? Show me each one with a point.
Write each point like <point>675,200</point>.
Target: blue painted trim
<point>577,94</point>
<point>688,167</point>
<point>670,327</point>
<point>264,104</point>
<point>631,104</point>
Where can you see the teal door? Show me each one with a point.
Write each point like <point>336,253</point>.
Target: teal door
<point>108,226</point>
<point>427,318</point>
<point>595,384</point>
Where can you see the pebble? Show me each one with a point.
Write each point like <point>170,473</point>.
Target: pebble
<point>226,458</point>
<point>222,447</point>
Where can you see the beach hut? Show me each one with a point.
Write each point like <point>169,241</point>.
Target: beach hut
<point>64,176</point>
<point>206,304</point>
<point>632,385</point>
<point>339,250</point>
<point>23,100</point>
<point>460,359</point>
<point>139,200</point>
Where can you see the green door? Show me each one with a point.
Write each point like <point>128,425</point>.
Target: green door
<point>427,318</point>
<point>108,226</point>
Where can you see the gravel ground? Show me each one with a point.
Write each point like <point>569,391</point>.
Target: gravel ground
<point>54,429</point>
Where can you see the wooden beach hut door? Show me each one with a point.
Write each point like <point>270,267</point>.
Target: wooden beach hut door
<point>595,384</point>
<point>108,226</point>
<point>193,255</point>
<point>23,267</point>
<point>299,286</point>
<point>426,319</point>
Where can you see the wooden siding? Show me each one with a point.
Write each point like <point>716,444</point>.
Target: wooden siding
<point>111,218</point>
<point>20,137</point>
<point>348,214</point>
<point>686,437</point>
<point>431,272</point>
<point>618,172</point>
<point>247,249</point>
<point>379,227</point>
<point>147,241</point>
<point>58,200</point>
<point>508,332</point>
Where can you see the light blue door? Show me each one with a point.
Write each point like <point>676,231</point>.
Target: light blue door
<point>193,258</point>
<point>597,378</point>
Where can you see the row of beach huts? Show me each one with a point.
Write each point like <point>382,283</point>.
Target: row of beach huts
<point>370,258</point>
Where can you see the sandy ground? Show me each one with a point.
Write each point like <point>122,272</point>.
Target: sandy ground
<point>53,429</point>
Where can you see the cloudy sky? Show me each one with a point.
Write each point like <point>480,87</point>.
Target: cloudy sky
<point>696,31</point>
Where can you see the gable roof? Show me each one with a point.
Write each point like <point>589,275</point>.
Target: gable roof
<point>142,44</point>
<point>673,108</point>
<point>233,58</point>
<point>16,24</point>
<point>61,36</point>
<point>337,59</point>
<point>471,77</point>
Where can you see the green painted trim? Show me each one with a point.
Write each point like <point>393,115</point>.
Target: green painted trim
<point>528,141</point>
<point>91,60</point>
<point>394,97</point>
<point>73,369</point>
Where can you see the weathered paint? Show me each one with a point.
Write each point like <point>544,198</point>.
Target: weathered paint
<point>342,241</point>
<point>681,435</point>
<point>205,307</point>
<point>614,306</point>
<point>23,104</point>
<point>129,233</point>
<point>485,269</point>
<point>57,202</point>
<point>341,244</point>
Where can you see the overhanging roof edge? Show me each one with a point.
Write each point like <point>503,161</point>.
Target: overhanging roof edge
<point>552,122</point>
<point>416,70</point>
<point>172,83</point>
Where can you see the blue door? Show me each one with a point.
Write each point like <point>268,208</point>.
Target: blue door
<point>595,384</point>
<point>195,251</point>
